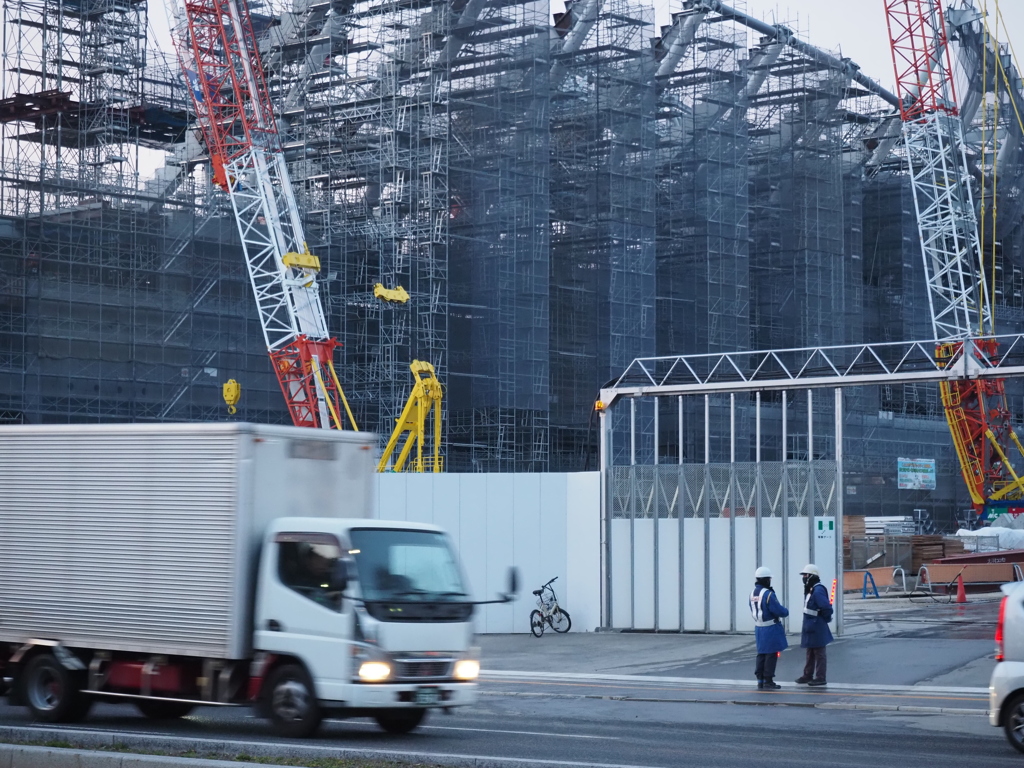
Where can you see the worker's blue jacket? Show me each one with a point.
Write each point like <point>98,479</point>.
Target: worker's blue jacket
<point>768,613</point>
<point>817,615</point>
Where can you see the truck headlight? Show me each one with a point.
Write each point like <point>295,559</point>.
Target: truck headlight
<point>467,669</point>
<point>374,671</point>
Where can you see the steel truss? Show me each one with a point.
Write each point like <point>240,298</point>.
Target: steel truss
<point>817,367</point>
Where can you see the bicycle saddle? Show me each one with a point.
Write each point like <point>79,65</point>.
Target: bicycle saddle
<point>537,591</point>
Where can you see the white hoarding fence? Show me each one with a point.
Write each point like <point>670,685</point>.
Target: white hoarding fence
<point>543,524</point>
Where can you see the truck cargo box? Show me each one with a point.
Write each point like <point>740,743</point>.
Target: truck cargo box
<point>145,538</point>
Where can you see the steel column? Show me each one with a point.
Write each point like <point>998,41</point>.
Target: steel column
<point>605,445</point>
<point>656,509</point>
<point>732,512</point>
<point>785,505</point>
<point>681,519</point>
<point>707,513</point>
<point>812,486</point>
<point>632,513</point>
<point>840,493</point>
<point>757,479</point>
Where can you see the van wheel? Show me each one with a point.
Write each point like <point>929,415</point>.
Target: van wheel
<point>400,720</point>
<point>291,702</point>
<point>1013,721</point>
<point>163,710</point>
<point>52,692</point>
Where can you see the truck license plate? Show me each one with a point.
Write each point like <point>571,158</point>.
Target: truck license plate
<point>427,696</point>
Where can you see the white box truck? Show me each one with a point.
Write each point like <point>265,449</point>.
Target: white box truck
<point>179,565</point>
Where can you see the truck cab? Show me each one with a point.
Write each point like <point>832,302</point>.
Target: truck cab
<point>365,617</point>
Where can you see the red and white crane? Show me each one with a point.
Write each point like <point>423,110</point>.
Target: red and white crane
<point>959,299</point>
<point>219,56</point>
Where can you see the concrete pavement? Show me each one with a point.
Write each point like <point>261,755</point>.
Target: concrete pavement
<point>888,641</point>
<point>897,654</point>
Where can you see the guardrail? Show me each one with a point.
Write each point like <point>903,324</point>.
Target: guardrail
<point>987,574</point>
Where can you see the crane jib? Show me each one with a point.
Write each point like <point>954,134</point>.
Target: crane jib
<point>959,299</point>
<point>220,60</point>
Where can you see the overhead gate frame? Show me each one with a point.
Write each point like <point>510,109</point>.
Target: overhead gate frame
<point>782,370</point>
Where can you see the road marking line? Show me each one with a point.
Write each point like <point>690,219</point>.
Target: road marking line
<point>331,750</point>
<point>520,733</point>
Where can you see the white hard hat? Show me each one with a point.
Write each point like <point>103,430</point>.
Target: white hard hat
<point>810,569</point>
<point>763,573</point>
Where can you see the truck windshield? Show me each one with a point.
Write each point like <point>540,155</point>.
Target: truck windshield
<point>398,564</point>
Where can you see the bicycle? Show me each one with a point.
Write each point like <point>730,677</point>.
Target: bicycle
<point>550,612</point>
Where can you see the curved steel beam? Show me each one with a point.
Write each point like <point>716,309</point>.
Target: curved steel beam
<point>786,35</point>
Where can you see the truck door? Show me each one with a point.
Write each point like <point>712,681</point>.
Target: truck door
<point>300,611</point>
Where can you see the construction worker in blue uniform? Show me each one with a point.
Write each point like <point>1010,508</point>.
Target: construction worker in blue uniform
<point>769,633</point>
<point>815,634</point>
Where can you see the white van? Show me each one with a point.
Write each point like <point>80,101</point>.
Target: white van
<point>1006,688</point>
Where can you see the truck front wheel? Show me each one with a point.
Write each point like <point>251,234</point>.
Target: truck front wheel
<point>51,691</point>
<point>291,702</point>
<point>400,720</point>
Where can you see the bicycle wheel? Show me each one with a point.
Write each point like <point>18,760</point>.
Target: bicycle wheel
<point>537,623</point>
<point>560,621</point>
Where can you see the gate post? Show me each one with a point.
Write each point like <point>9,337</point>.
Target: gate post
<point>605,449</point>
<point>840,494</point>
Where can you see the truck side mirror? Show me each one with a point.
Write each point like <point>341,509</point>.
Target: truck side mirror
<point>341,575</point>
<point>513,584</point>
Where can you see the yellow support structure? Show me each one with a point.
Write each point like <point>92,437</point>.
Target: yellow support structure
<point>412,425</point>
<point>304,260</point>
<point>397,295</point>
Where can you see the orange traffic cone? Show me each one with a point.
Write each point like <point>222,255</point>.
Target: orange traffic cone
<point>961,593</point>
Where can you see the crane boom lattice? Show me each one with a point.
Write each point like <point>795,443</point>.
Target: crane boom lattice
<point>219,56</point>
<point>958,296</point>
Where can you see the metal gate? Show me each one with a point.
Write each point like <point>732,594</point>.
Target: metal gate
<point>684,539</point>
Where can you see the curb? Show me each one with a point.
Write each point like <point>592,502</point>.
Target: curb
<point>500,676</point>
<point>766,703</point>
<point>26,756</point>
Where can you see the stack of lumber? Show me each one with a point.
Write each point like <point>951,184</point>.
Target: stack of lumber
<point>853,525</point>
<point>952,545</point>
<point>853,528</point>
<point>925,549</point>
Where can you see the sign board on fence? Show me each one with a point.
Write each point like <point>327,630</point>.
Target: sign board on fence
<point>916,474</point>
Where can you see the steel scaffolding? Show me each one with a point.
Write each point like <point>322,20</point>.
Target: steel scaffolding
<point>557,194</point>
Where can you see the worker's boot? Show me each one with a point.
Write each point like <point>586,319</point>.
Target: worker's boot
<point>771,685</point>
<point>760,684</point>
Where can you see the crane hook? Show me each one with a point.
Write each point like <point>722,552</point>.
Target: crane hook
<point>232,392</point>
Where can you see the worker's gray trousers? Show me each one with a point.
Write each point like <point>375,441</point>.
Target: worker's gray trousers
<point>816,665</point>
<point>764,669</point>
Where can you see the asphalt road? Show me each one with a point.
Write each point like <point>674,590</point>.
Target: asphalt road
<point>906,688</point>
<point>600,723</point>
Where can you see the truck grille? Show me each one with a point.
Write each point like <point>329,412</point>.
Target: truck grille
<point>419,670</point>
